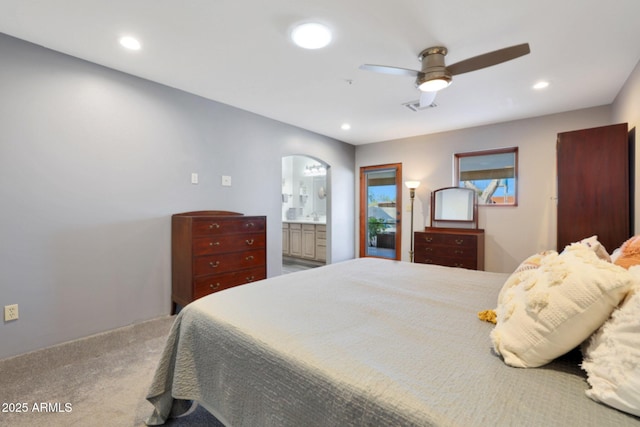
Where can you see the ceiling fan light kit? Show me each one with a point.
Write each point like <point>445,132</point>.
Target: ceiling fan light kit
<point>434,84</point>
<point>434,75</point>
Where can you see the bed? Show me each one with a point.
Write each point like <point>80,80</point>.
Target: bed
<point>364,342</point>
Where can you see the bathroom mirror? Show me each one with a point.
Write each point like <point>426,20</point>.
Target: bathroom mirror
<point>305,190</point>
<point>453,205</point>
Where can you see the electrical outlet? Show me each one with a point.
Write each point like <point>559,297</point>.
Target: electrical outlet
<point>10,312</point>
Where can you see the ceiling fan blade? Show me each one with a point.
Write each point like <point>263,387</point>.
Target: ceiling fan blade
<point>489,59</point>
<point>389,70</point>
<point>427,98</point>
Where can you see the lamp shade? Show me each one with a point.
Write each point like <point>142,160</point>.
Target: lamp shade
<point>412,184</point>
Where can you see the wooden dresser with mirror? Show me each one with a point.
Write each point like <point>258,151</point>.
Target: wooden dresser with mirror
<point>454,239</point>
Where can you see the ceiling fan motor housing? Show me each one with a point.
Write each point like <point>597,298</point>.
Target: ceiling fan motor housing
<point>433,67</point>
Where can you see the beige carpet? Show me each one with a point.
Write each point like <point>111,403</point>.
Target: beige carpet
<point>96,381</point>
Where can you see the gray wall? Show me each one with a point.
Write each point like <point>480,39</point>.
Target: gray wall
<point>92,164</point>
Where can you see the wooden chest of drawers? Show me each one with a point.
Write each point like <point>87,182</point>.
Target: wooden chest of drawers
<point>452,247</point>
<point>215,250</point>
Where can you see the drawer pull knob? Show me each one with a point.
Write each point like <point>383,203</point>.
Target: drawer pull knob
<point>249,225</point>
<point>212,286</point>
<point>249,258</point>
<point>214,264</point>
<point>214,243</point>
<point>459,241</point>
<point>428,239</point>
<point>250,278</point>
<point>428,249</point>
<point>214,225</point>
<point>249,242</point>
<point>458,252</point>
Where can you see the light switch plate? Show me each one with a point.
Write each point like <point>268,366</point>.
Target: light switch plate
<point>194,178</point>
<point>226,181</point>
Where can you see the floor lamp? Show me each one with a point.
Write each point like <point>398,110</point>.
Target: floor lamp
<point>412,185</point>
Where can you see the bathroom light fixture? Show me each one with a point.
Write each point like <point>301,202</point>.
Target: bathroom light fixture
<point>311,35</point>
<point>130,43</point>
<point>412,185</point>
<point>315,170</point>
<point>345,126</point>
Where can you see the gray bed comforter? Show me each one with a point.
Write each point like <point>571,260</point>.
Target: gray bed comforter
<point>366,342</point>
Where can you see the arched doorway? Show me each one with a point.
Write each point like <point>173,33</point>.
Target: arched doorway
<point>305,213</point>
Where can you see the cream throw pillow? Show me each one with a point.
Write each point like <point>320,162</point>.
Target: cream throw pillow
<point>612,356</point>
<point>544,312</point>
<point>593,243</point>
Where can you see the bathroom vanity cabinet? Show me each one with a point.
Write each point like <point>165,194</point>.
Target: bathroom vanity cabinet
<point>304,240</point>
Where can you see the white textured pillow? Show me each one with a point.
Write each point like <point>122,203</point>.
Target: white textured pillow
<point>612,356</point>
<point>520,274</point>
<point>545,312</point>
<point>593,243</point>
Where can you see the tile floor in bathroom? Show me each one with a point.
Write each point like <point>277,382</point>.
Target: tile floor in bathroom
<point>291,265</point>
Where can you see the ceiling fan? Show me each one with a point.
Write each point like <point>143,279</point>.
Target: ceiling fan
<point>435,75</point>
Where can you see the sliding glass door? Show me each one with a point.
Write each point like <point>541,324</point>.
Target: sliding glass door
<point>380,208</point>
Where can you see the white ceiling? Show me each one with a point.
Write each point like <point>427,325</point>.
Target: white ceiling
<point>238,52</point>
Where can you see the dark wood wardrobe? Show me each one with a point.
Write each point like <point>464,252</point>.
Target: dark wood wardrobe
<point>594,187</point>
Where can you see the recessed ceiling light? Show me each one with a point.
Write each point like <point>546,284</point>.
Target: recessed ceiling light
<point>311,35</point>
<point>130,43</point>
<point>541,85</point>
<point>345,126</point>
